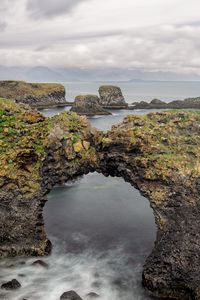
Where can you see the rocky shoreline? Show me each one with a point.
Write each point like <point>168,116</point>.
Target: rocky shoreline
<point>50,95</point>
<point>157,153</point>
<point>37,95</point>
<point>189,103</point>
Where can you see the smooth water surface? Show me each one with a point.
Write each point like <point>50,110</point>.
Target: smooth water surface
<point>139,91</point>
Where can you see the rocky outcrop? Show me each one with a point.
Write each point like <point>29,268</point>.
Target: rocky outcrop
<point>11,285</point>
<point>157,153</point>
<point>193,103</point>
<point>88,105</point>
<point>111,97</point>
<point>39,95</point>
<point>71,295</point>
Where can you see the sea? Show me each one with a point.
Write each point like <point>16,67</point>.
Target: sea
<point>101,228</point>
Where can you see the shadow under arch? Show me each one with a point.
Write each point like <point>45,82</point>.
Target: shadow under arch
<point>107,219</point>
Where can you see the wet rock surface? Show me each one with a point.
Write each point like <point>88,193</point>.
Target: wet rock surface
<point>157,153</point>
<point>71,295</point>
<point>11,285</point>
<point>40,263</point>
<point>92,295</point>
<point>111,97</point>
<point>88,105</point>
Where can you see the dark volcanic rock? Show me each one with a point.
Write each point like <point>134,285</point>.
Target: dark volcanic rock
<point>157,153</point>
<point>40,263</point>
<point>92,295</point>
<point>88,105</point>
<point>11,285</point>
<point>39,95</point>
<point>71,295</point>
<point>193,103</point>
<point>111,97</point>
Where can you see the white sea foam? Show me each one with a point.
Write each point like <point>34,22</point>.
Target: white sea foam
<point>108,274</point>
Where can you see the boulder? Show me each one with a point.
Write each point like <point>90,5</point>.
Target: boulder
<point>88,105</point>
<point>71,295</point>
<point>111,97</point>
<point>11,285</point>
<point>92,295</point>
<point>40,263</point>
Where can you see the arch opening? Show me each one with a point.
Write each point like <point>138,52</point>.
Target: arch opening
<point>106,226</point>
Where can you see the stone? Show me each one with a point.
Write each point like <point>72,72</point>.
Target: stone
<point>71,295</point>
<point>88,105</point>
<point>86,145</point>
<point>11,285</point>
<point>78,147</point>
<point>111,97</point>
<point>40,263</point>
<point>92,295</point>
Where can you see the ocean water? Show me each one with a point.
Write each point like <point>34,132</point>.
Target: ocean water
<point>138,91</point>
<point>101,228</point>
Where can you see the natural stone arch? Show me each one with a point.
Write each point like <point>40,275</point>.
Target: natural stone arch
<point>158,154</point>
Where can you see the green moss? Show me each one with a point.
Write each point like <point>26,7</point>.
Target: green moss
<point>166,144</point>
<point>24,136</point>
<point>20,89</point>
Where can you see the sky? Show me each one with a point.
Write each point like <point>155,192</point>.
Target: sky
<point>149,35</point>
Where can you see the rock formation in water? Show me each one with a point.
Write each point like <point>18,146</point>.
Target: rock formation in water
<point>159,154</point>
<point>88,105</point>
<point>39,95</point>
<point>111,97</point>
<point>71,295</point>
<point>193,103</point>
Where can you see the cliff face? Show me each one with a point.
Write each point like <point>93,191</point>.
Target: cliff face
<point>88,105</point>
<point>35,94</point>
<point>111,97</point>
<point>158,154</point>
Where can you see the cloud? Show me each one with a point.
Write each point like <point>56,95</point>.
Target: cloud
<point>50,8</point>
<point>126,34</point>
<point>167,48</point>
<point>2,25</point>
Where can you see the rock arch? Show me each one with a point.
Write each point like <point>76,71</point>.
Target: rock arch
<point>158,154</point>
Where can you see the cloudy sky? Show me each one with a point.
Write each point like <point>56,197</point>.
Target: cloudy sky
<point>155,35</point>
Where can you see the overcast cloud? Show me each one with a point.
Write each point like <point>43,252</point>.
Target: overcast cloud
<point>50,8</point>
<point>148,35</point>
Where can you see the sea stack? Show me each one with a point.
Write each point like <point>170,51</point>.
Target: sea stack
<point>37,95</point>
<point>111,97</point>
<point>88,105</point>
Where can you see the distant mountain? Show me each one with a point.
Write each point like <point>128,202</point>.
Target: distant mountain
<point>45,74</point>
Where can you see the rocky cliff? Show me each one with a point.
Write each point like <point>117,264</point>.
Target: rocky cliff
<point>159,154</point>
<point>193,103</point>
<point>111,97</point>
<point>39,95</point>
<point>88,105</point>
